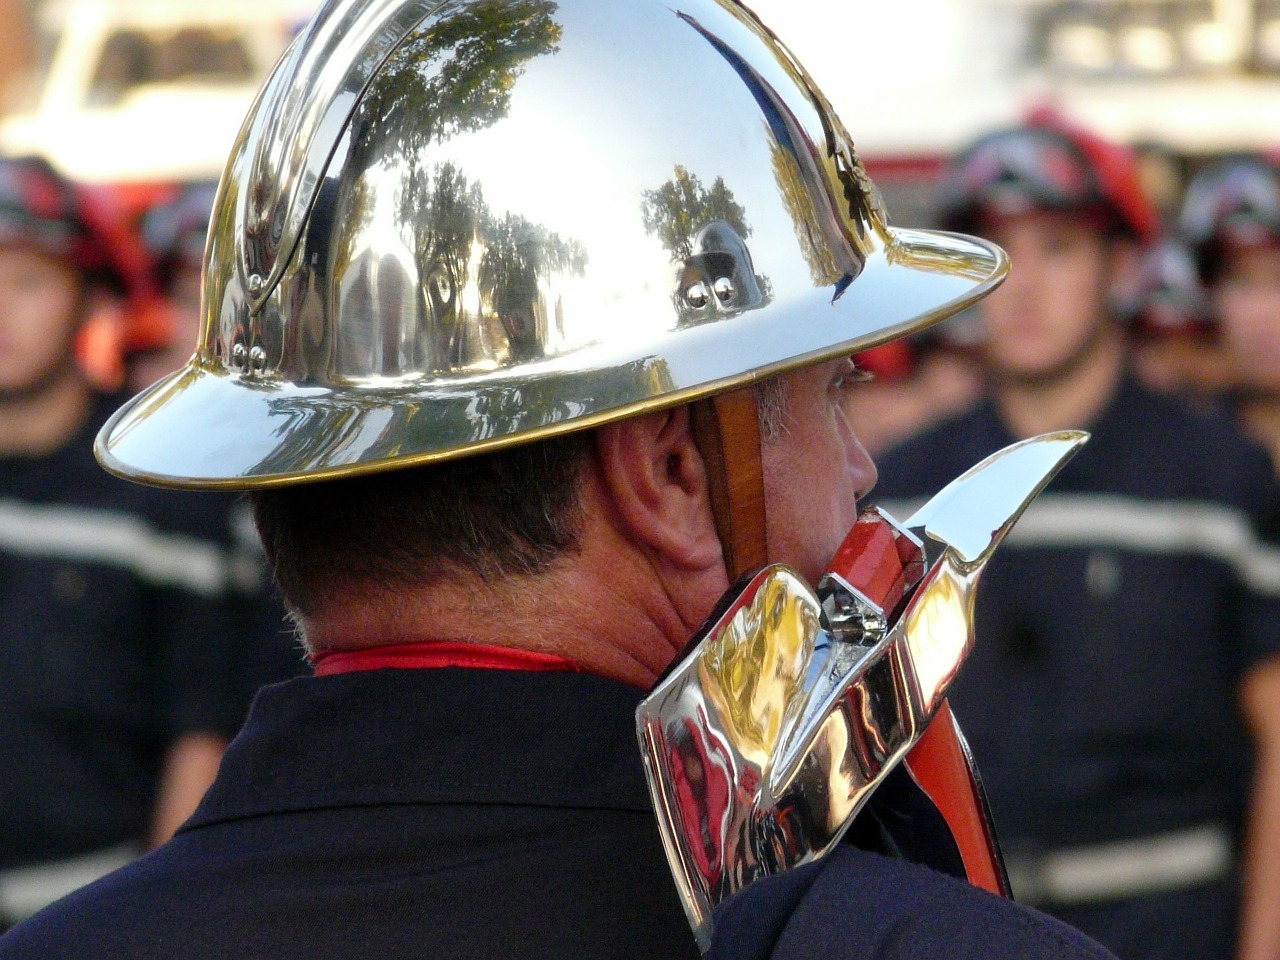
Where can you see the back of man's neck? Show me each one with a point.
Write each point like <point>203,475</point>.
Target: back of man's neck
<point>37,424</point>
<point>565,613</point>
<point>1072,400</point>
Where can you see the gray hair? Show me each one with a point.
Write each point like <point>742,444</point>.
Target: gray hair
<point>772,408</point>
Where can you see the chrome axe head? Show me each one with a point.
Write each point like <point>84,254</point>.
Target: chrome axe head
<point>763,742</point>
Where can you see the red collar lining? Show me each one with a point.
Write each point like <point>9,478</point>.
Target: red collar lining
<point>434,654</point>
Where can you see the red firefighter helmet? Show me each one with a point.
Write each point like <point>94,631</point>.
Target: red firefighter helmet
<point>1047,163</point>
<point>43,209</point>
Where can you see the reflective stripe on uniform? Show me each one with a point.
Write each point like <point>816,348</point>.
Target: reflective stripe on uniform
<point>113,539</point>
<point>26,890</point>
<point>1125,868</point>
<point>1211,530</point>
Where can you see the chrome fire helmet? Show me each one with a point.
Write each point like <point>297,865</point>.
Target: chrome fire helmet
<point>451,226</point>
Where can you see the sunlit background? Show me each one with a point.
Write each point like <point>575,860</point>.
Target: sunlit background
<point>1181,80</point>
<point>136,92</point>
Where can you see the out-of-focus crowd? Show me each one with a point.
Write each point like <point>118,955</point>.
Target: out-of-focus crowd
<point>1123,698</point>
<point>138,623</point>
<point>1198,299</point>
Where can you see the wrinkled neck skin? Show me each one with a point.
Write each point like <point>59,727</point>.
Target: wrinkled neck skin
<point>616,607</point>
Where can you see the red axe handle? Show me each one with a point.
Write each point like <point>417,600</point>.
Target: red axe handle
<point>876,561</point>
<point>942,767</point>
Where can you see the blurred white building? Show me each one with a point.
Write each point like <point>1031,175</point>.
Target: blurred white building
<point>143,91</point>
<point>914,79</point>
<point>147,90</point>
<point>918,75</point>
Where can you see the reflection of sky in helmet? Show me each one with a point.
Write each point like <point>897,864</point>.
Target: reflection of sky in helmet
<point>592,128</point>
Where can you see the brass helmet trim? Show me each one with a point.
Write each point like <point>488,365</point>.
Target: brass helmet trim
<point>304,103</point>
<point>510,238</point>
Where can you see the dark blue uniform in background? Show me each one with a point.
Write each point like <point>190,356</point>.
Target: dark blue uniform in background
<point>133,616</point>
<point>1114,627</point>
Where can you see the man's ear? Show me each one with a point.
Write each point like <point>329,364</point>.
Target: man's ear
<point>656,477</point>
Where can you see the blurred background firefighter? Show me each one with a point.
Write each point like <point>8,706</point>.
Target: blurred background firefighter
<point>122,672</point>
<point>1130,633</point>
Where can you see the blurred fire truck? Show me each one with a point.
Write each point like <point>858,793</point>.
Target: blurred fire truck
<point>141,94</point>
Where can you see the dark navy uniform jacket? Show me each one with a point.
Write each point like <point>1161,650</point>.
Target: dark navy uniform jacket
<point>1113,629</point>
<point>480,813</point>
<point>126,625</point>
<point>1115,623</point>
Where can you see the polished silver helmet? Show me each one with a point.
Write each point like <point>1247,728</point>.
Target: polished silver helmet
<point>450,226</point>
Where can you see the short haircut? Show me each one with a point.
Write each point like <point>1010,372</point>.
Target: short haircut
<point>506,513</point>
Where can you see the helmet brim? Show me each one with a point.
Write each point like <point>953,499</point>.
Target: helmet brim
<point>205,428</point>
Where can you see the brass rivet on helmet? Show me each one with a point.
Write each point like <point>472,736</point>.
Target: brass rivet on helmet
<point>696,295</point>
<point>257,359</point>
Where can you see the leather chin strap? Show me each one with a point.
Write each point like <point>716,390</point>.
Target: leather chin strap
<point>726,428</point>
